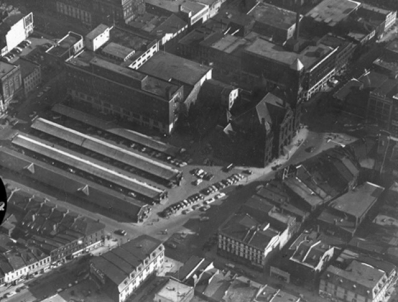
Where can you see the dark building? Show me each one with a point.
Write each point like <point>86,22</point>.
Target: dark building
<point>322,178</point>
<point>93,12</point>
<point>284,125</point>
<point>253,129</point>
<point>344,214</point>
<point>55,230</point>
<point>11,84</point>
<point>122,91</point>
<point>304,260</point>
<point>383,106</point>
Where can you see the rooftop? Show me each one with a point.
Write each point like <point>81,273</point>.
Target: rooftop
<point>273,15</point>
<point>27,67</point>
<point>245,228</point>
<point>174,291</point>
<point>392,46</point>
<point>97,31</point>
<point>118,263</point>
<point>357,275</point>
<point>358,202</point>
<point>308,57</point>
<point>167,66</point>
<point>117,50</point>
<point>225,43</point>
<point>194,6</point>
<point>65,44</point>
<point>372,80</point>
<point>389,88</point>
<point>331,12</point>
<point>131,39</point>
<point>5,67</point>
<point>188,268</point>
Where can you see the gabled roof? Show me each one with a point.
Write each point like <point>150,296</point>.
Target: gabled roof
<point>248,230</point>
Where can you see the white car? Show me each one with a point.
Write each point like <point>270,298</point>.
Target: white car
<point>198,182</point>
<point>219,196</point>
<point>209,201</point>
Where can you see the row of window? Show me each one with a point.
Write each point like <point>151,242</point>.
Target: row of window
<point>73,12</point>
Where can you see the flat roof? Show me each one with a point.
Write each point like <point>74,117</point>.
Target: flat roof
<point>102,147</point>
<point>331,12</point>
<point>111,128</point>
<point>174,6</point>
<point>5,67</point>
<point>128,72</point>
<point>391,65</point>
<point>27,67</point>
<point>80,163</point>
<point>358,202</point>
<point>168,66</point>
<point>308,57</point>
<point>356,273</point>
<point>174,291</point>
<point>388,88</point>
<point>392,46</point>
<point>273,15</point>
<point>227,43</point>
<point>131,39</point>
<point>117,50</point>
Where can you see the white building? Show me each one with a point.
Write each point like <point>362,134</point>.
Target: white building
<point>358,282</point>
<point>122,270</point>
<point>13,30</point>
<point>97,37</point>
<point>243,238</point>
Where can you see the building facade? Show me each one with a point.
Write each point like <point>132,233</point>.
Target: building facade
<point>121,271</point>
<point>382,106</point>
<point>75,9</point>
<point>13,30</point>
<point>358,282</point>
<point>11,84</point>
<point>243,238</point>
<point>30,73</point>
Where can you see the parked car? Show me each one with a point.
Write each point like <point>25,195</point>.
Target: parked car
<point>121,232</point>
<point>198,182</point>
<point>220,195</point>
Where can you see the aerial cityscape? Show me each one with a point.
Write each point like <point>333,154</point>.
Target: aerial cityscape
<point>199,150</point>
